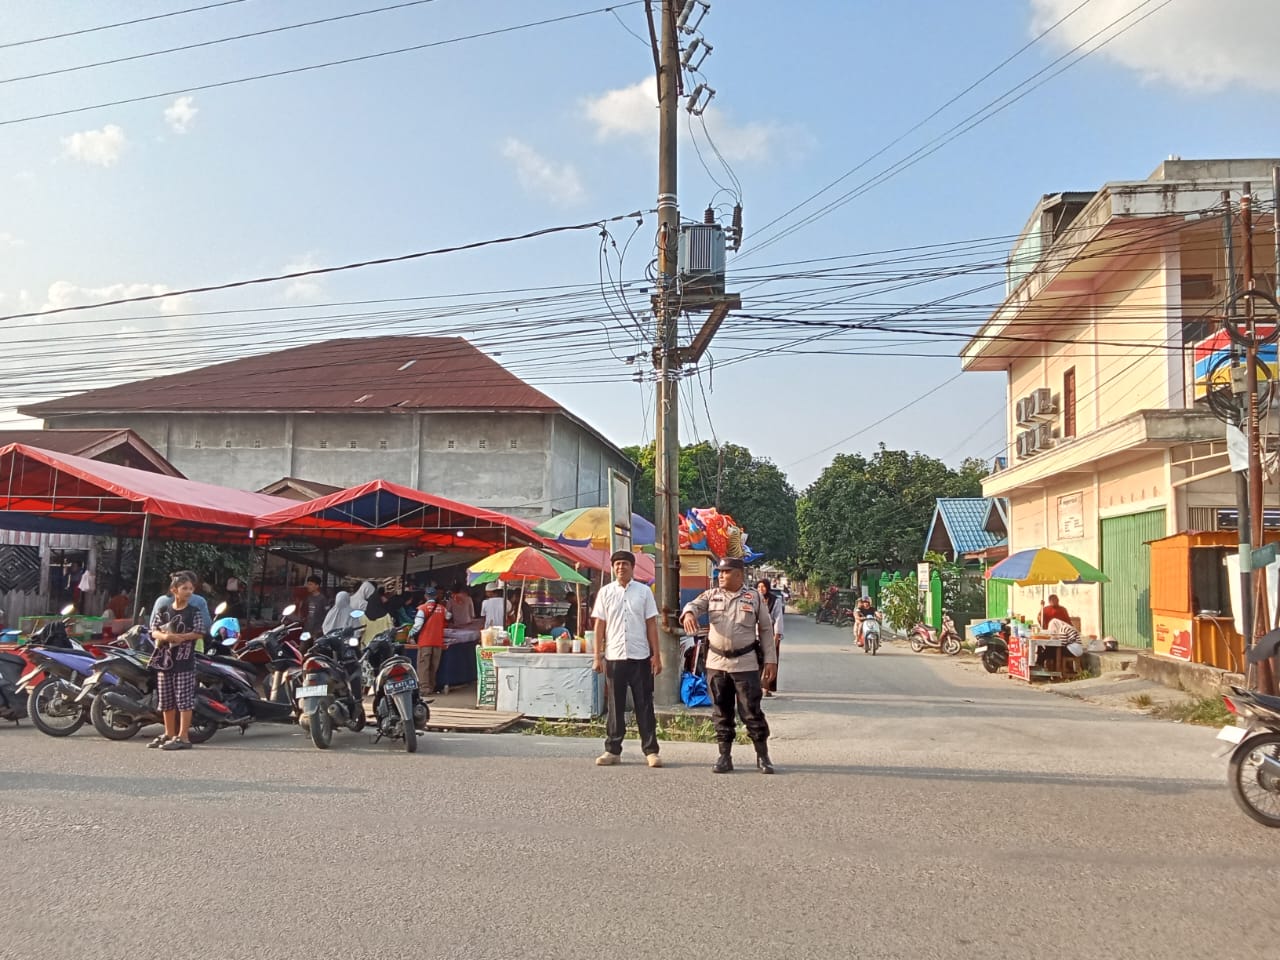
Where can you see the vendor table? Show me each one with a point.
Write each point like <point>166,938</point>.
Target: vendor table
<point>1024,652</point>
<point>559,685</point>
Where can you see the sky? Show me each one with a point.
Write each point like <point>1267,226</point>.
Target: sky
<point>880,156</point>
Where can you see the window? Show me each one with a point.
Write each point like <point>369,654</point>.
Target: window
<point>353,445</point>
<point>1069,403</point>
<point>451,444</point>
<point>324,444</point>
<point>257,444</point>
<point>382,444</point>
<point>199,445</point>
<point>515,444</point>
<point>484,444</point>
<point>227,444</point>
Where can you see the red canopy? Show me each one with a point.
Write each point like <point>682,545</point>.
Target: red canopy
<point>43,490</point>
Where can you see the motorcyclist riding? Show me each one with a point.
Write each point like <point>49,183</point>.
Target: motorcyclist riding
<point>865,610</point>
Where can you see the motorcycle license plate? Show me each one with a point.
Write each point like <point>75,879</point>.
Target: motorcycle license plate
<point>319,690</point>
<point>1232,734</point>
<point>400,686</point>
<point>979,650</point>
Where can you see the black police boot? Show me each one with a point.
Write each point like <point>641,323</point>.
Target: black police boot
<point>725,763</point>
<point>763,763</point>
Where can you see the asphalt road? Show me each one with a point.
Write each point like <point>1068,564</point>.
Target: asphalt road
<point>921,809</point>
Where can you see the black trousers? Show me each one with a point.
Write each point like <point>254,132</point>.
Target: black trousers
<point>741,691</point>
<point>636,676</point>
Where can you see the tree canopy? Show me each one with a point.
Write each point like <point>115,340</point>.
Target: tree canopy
<point>874,512</point>
<point>751,489</point>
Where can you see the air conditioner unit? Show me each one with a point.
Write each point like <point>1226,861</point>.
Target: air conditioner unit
<point>701,257</point>
<point>1042,437</point>
<point>1026,444</point>
<point>1022,411</point>
<point>1044,404</point>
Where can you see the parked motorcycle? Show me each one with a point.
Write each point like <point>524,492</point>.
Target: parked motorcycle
<point>947,640</point>
<point>57,666</point>
<point>398,708</point>
<point>118,711</point>
<point>13,704</point>
<point>993,648</point>
<point>1254,769</point>
<point>331,688</point>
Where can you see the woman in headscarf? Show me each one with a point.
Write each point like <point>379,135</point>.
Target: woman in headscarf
<point>371,599</point>
<point>339,614</point>
<point>776,606</point>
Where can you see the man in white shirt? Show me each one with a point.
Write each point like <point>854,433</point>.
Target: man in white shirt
<point>626,652</point>
<point>495,609</point>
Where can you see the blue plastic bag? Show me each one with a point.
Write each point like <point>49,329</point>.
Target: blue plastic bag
<point>693,690</point>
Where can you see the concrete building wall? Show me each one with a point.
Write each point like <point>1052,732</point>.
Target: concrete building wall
<point>530,464</point>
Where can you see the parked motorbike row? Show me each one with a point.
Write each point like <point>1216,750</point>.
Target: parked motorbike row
<point>283,676</point>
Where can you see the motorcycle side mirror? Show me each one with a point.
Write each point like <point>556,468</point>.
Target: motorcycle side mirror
<point>69,609</point>
<point>306,635</point>
<point>220,609</point>
<point>289,610</point>
<point>357,615</point>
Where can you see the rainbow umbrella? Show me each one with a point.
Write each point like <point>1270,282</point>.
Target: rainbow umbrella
<point>589,527</point>
<point>521,564</point>
<point>1044,566</point>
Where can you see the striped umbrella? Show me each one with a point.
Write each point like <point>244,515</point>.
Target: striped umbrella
<point>521,564</point>
<point>1043,566</point>
<point>589,527</point>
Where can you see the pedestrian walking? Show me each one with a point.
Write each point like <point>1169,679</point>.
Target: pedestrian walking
<point>428,633</point>
<point>626,652</point>
<point>176,625</point>
<point>741,656</point>
<point>777,607</point>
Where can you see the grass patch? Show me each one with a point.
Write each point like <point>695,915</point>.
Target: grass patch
<point>1142,700</point>
<point>802,606</point>
<point>682,726</point>
<point>1204,711</point>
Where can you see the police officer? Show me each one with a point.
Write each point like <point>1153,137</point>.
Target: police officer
<point>739,648</point>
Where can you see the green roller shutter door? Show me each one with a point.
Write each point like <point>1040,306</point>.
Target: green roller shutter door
<point>1126,559</point>
<point>998,599</point>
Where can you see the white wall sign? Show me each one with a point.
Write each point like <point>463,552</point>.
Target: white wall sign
<point>1071,517</point>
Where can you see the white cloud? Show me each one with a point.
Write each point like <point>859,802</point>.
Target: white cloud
<point>303,289</point>
<point>100,147</point>
<point>560,183</point>
<point>1202,45</point>
<point>180,114</point>
<point>632,112</point>
<point>64,293</point>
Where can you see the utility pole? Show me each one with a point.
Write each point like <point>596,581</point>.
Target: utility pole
<point>667,362</point>
<point>1244,526</point>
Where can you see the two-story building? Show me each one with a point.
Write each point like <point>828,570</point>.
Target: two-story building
<point>1109,341</point>
<point>432,413</point>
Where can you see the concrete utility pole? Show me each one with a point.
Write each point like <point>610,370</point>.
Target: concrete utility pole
<point>667,362</point>
<point>1244,526</point>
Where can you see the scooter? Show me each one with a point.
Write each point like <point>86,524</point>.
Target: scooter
<point>330,690</point>
<point>946,640</point>
<point>120,710</point>
<point>870,628</point>
<point>13,704</point>
<point>398,708</point>
<point>1254,770</point>
<point>994,651</point>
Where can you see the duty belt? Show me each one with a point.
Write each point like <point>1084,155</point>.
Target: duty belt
<point>732,654</point>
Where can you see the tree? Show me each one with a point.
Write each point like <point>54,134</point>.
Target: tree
<point>751,489</point>
<point>875,512</point>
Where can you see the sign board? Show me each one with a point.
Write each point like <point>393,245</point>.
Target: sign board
<point>619,511</point>
<point>1172,636</point>
<point>1018,664</point>
<point>1071,517</point>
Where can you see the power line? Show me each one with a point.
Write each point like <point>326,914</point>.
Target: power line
<point>401,258</point>
<point>112,26</point>
<point>315,66</point>
<point>213,43</point>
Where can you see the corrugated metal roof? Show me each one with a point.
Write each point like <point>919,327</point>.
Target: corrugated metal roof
<point>965,520</point>
<point>372,373</point>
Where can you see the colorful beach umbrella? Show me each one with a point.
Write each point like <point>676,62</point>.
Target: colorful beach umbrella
<point>1043,566</point>
<point>589,527</point>
<point>521,564</point>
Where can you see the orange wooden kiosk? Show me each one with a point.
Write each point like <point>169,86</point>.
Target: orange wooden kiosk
<point>1191,612</point>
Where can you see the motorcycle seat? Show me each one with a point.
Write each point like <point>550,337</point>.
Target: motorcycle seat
<point>1270,703</point>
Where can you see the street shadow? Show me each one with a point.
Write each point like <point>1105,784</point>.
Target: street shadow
<point>159,787</point>
<point>1153,785</point>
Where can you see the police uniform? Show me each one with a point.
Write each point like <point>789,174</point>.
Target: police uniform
<point>740,641</point>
